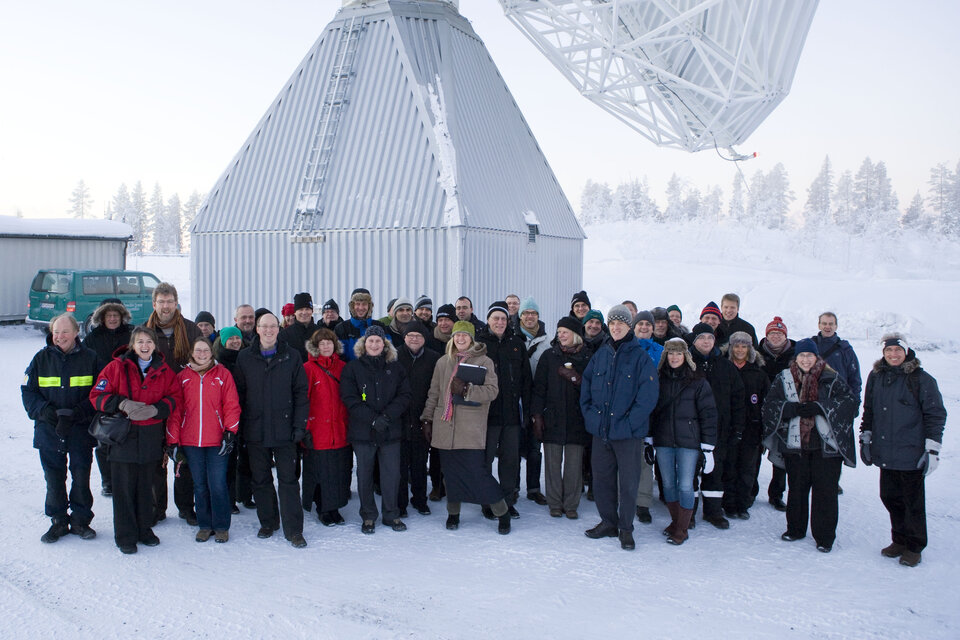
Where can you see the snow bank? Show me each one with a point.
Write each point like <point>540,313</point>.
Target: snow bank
<point>64,227</point>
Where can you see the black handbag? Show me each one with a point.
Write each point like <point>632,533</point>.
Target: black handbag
<point>110,429</point>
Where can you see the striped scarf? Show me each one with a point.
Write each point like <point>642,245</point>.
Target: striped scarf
<point>448,403</point>
<point>181,346</point>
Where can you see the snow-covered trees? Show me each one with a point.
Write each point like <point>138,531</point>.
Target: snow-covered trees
<point>596,202</point>
<point>81,202</point>
<point>816,212</point>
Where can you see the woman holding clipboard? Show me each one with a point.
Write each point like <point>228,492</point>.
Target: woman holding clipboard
<point>455,422</point>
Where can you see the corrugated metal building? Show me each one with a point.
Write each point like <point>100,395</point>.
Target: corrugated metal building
<point>28,245</point>
<point>394,159</point>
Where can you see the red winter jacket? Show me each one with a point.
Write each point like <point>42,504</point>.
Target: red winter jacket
<point>207,405</point>
<point>327,423</point>
<point>121,380</point>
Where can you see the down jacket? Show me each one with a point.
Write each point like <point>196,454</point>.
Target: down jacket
<point>467,428</point>
<point>727,387</point>
<point>838,407</point>
<point>120,380</point>
<point>106,341</point>
<point>207,404</point>
<point>273,396</point>
<point>373,388</point>
<point>620,389</point>
<point>903,408</point>
<point>686,415</point>
<point>509,356</point>
<point>327,422</point>
<point>557,399</point>
<point>419,371</point>
<point>57,380</point>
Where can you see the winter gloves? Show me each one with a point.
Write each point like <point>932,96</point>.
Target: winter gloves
<point>808,409</point>
<point>427,426</point>
<point>790,411</point>
<point>64,422</point>
<point>649,454</point>
<point>930,458</point>
<point>458,387</point>
<point>865,455</point>
<point>536,426</point>
<point>226,443</point>
<point>707,451</point>
<point>137,411</point>
<point>127,405</point>
<point>570,374</point>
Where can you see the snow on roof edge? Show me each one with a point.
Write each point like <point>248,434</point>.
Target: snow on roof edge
<point>64,227</point>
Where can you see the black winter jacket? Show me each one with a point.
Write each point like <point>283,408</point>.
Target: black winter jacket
<point>296,336</point>
<point>509,355</point>
<point>773,365</point>
<point>728,328</point>
<point>106,341</point>
<point>755,388</point>
<point>273,396</point>
<point>419,373</point>
<point>686,414</point>
<point>557,399</point>
<point>727,387</point>
<point>902,408</point>
<point>374,388</point>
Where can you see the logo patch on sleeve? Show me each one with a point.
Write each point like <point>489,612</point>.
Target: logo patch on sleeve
<point>101,384</point>
<point>754,399</point>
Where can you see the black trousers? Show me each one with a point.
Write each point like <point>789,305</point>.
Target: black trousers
<point>616,477</point>
<point>387,458</point>
<point>182,487</point>
<point>133,512</point>
<point>903,494</point>
<point>503,443</point>
<point>79,500</point>
<point>778,483</point>
<point>103,464</point>
<point>413,473</point>
<point>813,481</point>
<point>264,492</point>
<point>742,472</point>
<point>243,487</point>
<point>436,472</point>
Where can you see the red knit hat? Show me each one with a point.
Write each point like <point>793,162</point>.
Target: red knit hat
<point>776,325</point>
<point>287,309</point>
<point>711,308</point>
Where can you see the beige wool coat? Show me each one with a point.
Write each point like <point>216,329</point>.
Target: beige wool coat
<point>468,427</point>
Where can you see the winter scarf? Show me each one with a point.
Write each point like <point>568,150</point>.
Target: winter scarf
<point>440,335</point>
<point>809,384</point>
<point>448,401</point>
<point>571,350</point>
<point>775,351</point>
<point>181,347</point>
<point>200,371</point>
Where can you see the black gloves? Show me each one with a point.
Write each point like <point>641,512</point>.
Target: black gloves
<point>64,422</point>
<point>226,443</point>
<point>649,453</point>
<point>865,454</point>
<point>427,426</point>
<point>49,415</point>
<point>790,411</point>
<point>307,442</point>
<point>381,423</point>
<point>809,409</point>
<point>536,425</point>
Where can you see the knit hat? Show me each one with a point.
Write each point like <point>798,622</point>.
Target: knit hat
<point>447,311</point>
<point>659,313</point>
<point>302,301</point>
<point>580,296</point>
<point>262,311</point>
<point>499,305</point>
<point>593,314</point>
<point>401,302</point>
<point>529,304</point>
<point>572,324</point>
<point>331,304</point>
<point>674,307</point>
<point>621,313</point>
<point>416,327</point>
<point>894,340</point>
<point>711,308</point>
<point>699,329</point>
<point>374,330</point>
<point>390,305</point>
<point>462,326</point>
<point>643,315</point>
<point>806,346</point>
<point>776,325</point>
<point>229,332</point>
<point>740,337</point>
<point>287,309</point>
<point>423,302</point>
<point>205,316</point>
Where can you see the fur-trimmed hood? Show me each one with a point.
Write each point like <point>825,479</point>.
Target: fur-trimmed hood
<point>910,363</point>
<point>314,349</point>
<point>477,349</point>
<point>753,356</point>
<point>389,351</point>
<point>97,318</point>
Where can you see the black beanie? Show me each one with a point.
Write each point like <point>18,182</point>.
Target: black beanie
<point>701,328</point>
<point>302,301</point>
<point>447,311</point>
<point>580,296</point>
<point>205,316</point>
<point>499,305</point>
<point>331,304</point>
<point>572,324</point>
<point>262,311</point>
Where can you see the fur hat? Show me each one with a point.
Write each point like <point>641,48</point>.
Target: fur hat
<point>313,344</point>
<point>331,304</point>
<point>676,345</point>
<point>659,313</point>
<point>806,346</point>
<point>740,337</point>
<point>302,301</point>
<point>361,295</point>
<point>111,304</point>
<point>499,305</point>
<point>462,326</point>
<point>423,302</point>
<point>572,324</point>
<point>528,304</point>
<point>711,308</point>
<point>776,325</point>
<point>447,311</point>
<point>699,329</point>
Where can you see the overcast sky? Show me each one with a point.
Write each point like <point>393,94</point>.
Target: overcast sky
<point>112,92</point>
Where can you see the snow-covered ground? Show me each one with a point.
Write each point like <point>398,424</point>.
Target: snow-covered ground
<point>545,579</point>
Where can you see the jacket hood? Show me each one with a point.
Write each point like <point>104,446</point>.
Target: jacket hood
<point>100,312</point>
<point>314,350</point>
<point>389,351</point>
<point>476,350</point>
<point>911,364</point>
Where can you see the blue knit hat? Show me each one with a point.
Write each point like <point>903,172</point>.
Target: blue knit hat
<point>806,346</point>
<point>529,304</point>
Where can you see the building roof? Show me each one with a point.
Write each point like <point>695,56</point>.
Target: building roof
<point>429,137</point>
<point>64,228</point>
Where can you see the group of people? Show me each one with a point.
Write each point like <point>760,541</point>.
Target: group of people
<point>600,403</point>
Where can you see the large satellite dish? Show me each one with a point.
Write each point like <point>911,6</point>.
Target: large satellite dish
<point>692,74</point>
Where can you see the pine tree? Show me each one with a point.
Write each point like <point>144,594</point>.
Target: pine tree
<point>712,205</point>
<point>913,217</point>
<point>885,213</point>
<point>816,212</point>
<point>755,200</point>
<point>690,207</point>
<point>188,215</point>
<point>777,196</point>
<point>843,201</point>
<point>633,202</point>
<point>674,208</point>
<point>137,219</point>
<point>737,210</point>
<point>950,218</point>
<point>938,195</point>
<point>81,203</point>
<point>155,211</point>
<point>596,202</point>
<point>171,230</point>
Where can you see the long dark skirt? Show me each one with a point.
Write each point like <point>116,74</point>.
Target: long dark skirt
<point>467,478</point>
<point>326,478</point>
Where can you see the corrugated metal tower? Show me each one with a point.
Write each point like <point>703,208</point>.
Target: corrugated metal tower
<point>393,159</point>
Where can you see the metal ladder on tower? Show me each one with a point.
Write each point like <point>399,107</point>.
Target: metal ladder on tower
<point>308,204</point>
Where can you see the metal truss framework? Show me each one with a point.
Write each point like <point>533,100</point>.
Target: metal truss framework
<point>693,74</point>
